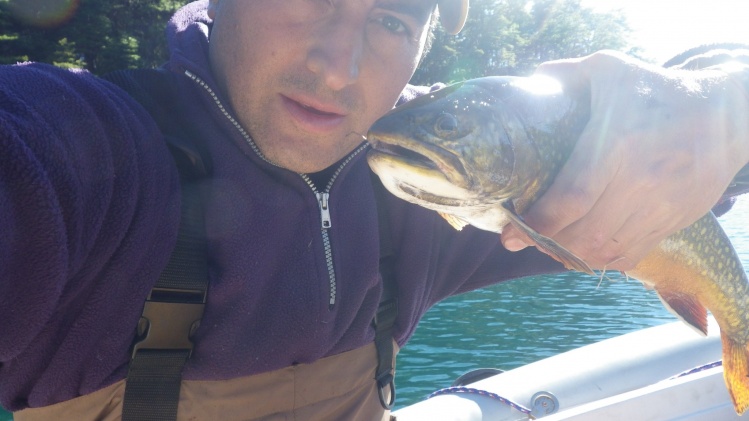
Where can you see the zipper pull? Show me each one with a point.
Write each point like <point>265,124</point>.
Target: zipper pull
<point>322,199</point>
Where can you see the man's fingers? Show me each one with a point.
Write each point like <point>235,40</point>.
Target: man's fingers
<point>563,204</point>
<point>614,229</point>
<point>572,77</point>
<point>514,240</point>
<point>575,191</point>
<point>578,75</point>
<point>571,73</point>
<point>576,188</point>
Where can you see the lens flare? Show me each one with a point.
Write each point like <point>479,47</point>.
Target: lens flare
<point>43,13</point>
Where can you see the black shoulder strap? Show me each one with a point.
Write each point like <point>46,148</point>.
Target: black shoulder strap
<point>174,307</point>
<point>387,312</point>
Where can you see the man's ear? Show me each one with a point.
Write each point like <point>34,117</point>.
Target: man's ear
<point>212,6</point>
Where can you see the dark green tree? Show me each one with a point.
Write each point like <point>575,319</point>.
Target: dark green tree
<point>566,29</point>
<point>508,37</point>
<point>99,35</point>
<point>512,37</point>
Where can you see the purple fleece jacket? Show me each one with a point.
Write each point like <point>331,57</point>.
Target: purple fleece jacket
<point>89,204</point>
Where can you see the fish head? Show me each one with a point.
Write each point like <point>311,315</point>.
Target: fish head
<point>442,147</point>
<point>459,147</point>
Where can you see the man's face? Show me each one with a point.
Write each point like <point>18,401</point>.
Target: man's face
<point>308,77</point>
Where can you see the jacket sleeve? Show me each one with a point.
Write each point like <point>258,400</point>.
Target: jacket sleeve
<point>86,183</point>
<point>472,259</point>
<point>435,261</point>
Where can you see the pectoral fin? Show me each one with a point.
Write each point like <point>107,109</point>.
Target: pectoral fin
<point>546,244</point>
<point>686,307</point>
<point>456,222</point>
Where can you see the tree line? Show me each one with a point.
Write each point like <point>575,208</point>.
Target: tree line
<point>98,35</point>
<point>512,37</point>
<point>508,37</point>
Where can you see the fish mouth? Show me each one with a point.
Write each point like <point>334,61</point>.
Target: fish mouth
<point>443,203</point>
<point>422,157</point>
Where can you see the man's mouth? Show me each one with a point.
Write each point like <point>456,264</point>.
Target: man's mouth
<point>314,117</point>
<point>316,111</point>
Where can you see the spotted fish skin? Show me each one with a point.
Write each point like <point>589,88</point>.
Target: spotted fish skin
<point>696,269</point>
<point>482,151</point>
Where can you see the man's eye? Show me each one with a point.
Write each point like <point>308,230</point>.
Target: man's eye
<point>393,24</point>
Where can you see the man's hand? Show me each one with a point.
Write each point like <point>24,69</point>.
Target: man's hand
<point>660,148</point>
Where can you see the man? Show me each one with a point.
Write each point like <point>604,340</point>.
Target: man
<point>278,93</point>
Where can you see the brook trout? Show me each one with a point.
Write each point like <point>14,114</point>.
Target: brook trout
<point>481,151</point>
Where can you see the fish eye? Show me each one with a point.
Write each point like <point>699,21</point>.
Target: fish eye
<point>446,125</point>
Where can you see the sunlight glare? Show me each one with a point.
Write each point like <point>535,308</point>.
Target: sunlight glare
<point>665,28</point>
<point>43,13</point>
<point>539,85</point>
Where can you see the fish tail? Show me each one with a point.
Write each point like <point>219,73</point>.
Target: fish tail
<point>736,372</point>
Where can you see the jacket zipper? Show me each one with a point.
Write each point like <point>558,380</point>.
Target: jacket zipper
<point>323,198</point>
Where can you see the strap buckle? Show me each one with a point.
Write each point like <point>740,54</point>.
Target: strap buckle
<point>383,323</point>
<point>382,383</point>
<point>169,319</point>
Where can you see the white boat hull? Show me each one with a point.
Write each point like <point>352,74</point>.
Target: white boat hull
<point>623,378</point>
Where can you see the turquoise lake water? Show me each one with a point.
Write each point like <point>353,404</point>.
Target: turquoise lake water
<point>522,321</point>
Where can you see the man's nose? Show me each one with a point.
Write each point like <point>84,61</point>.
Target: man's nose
<point>336,56</point>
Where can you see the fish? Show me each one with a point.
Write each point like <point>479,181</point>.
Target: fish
<point>481,151</point>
